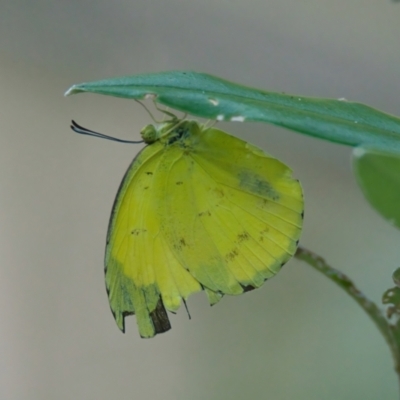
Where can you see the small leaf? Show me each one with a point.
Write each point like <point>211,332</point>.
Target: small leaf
<point>392,298</point>
<point>396,277</point>
<point>210,97</point>
<point>378,174</point>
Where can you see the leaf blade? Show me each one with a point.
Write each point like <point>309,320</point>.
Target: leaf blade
<point>206,96</point>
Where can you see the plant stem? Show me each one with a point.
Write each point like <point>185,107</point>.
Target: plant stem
<point>373,311</point>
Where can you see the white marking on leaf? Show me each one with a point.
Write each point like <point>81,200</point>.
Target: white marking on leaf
<point>220,117</point>
<point>359,152</point>
<point>238,118</point>
<point>342,99</point>
<point>214,102</point>
<point>150,96</point>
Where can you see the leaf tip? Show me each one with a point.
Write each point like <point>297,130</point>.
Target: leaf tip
<point>73,90</point>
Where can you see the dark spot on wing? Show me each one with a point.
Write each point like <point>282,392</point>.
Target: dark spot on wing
<point>179,183</point>
<point>149,173</point>
<point>247,288</point>
<point>204,213</point>
<point>219,192</point>
<point>180,244</point>
<point>146,187</point>
<point>264,202</point>
<point>160,318</point>
<point>241,237</point>
<point>257,184</point>
<point>137,232</point>
<point>262,233</point>
<point>232,254</point>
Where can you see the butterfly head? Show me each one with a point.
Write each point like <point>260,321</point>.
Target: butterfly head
<point>150,134</point>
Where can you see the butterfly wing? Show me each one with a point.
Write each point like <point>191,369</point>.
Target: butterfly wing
<point>199,209</point>
<point>233,214</point>
<point>143,276</point>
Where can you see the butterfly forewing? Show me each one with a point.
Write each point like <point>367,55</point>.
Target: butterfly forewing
<point>142,275</point>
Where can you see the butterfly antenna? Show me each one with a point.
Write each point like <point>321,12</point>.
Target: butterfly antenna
<point>187,310</point>
<point>83,131</point>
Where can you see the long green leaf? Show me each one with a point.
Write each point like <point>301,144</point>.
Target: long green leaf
<point>207,96</point>
<point>378,174</point>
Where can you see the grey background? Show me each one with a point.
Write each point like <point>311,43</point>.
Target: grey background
<point>298,337</point>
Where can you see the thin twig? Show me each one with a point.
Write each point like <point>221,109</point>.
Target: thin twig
<point>373,311</point>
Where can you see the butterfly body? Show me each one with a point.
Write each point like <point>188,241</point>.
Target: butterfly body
<point>198,209</point>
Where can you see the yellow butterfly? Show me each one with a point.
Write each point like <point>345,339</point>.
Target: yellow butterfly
<point>198,209</point>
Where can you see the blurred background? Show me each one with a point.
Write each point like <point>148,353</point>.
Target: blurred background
<point>299,336</point>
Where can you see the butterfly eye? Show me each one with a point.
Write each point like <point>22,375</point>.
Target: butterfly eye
<point>149,134</point>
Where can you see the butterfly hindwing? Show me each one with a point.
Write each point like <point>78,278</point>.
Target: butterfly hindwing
<point>232,213</point>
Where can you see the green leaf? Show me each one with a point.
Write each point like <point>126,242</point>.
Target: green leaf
<point>396,278</point>
<point>392,298</point>
<point>207,96</point>
<point>378,174</point>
